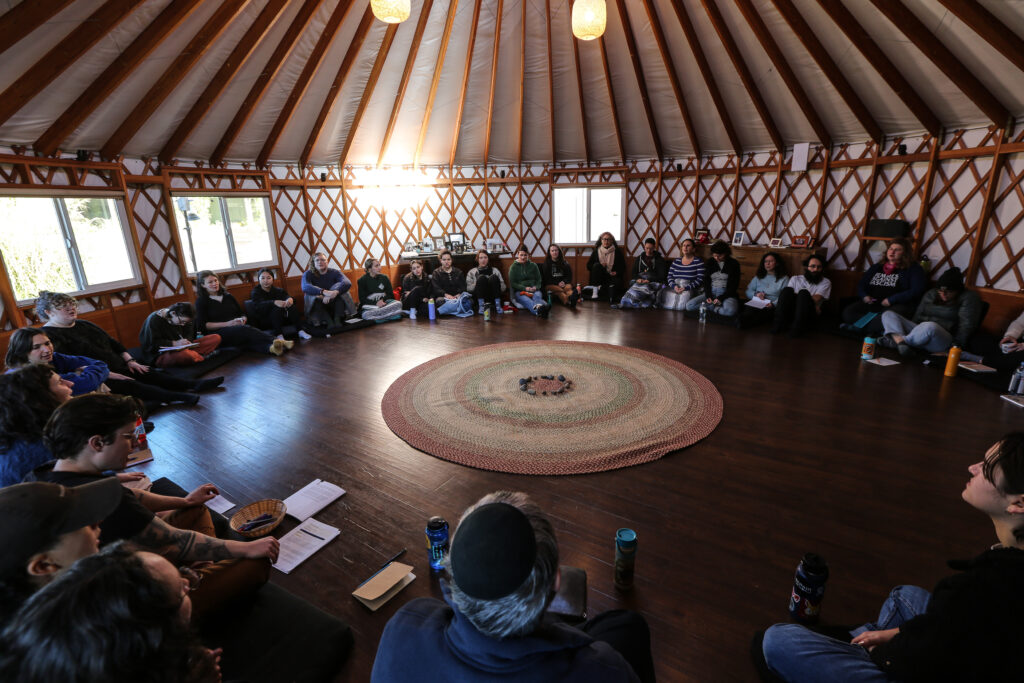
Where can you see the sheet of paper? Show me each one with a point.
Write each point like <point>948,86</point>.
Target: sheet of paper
<point>1014,399</point>
<point>384,585</point>
<point>975,367</point>
<point>312,498</point>
<point>758,303</point>
<point>220,504</point>
<point>353,321</point>
<point>301,542</point>
<point>883,361</point>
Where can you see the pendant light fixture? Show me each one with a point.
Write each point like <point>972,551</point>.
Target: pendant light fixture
<point>588,19</point>
<point>390,11</point>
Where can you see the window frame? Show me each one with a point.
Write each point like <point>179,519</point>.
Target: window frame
<point>188,251</point>
<point>587,209</point>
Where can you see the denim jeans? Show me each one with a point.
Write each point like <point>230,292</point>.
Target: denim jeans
<point>528,302</point>
<point>797,654</point>
<point>728,308</point>
<point>931,337</point>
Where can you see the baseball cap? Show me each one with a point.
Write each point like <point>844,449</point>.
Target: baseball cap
<point>37,513</point>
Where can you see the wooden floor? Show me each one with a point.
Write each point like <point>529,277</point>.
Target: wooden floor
<point>816,452</point>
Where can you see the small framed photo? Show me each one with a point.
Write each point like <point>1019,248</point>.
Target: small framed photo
<point>803,241</point>
<point>457,239</point>
<point>775,243</point>
<point>739,238</point>
<point>495,245</point>
<point>703,235</point>
<point>438,243</point>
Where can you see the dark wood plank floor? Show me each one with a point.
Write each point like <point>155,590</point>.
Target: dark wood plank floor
<point>816,452</point>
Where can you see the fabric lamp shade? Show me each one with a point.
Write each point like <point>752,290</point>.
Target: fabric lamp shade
<point>390,11</point>
<point>588,19</point>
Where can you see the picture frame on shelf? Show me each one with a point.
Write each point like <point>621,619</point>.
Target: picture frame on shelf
<point>775,243</point>
<point>803,241</point>
<point>739,238</point>
<point>702,236</point>
<point>438,243</point>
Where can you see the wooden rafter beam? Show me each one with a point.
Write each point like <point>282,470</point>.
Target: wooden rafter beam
<point>769,45</point>
<point>551,81</point>
<point>990,28</point>
<point>172,76</point>
<point>299,88</point>
<point>107,82</point>
<point>494,80</point>
<point>262,81</point>
<point>438,67</point>
<point>409,62</point>
<point>21,20</point>
<point>673,77</point>
<point>611,100</point>
<point>941,56</point>
<point>63,55</point>
<point>641,82</point>
<point>741,68</point>
<point>579,93</point>
<point>332,93</point>
<point>828,66</point>
<point>371,84</point>
<point>259,28</point>
<point>465,83</point>
<point>522,83</point>
<point>892,76</point>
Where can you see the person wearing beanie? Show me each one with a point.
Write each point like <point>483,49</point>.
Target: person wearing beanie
<point>503,569</point>
<point>721,283</point>
<point>948,315</point>
<point>649,275</point>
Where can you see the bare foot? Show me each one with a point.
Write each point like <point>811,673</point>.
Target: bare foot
<point>898,339</point>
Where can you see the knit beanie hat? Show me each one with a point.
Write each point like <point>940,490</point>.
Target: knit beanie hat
<point>952,279</point>
<point>493,551</point>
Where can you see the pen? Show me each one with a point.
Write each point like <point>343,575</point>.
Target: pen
<point>384,566</point>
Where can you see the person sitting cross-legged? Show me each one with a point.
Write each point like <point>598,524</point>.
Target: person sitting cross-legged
<point>217,311</point>
<point>173,327</point>
<point>607,265</point>
<point>417,289</point>
<point>451,282</point>
<point>526,282</point>
<point>274,307</point>
<point>504,572</point>
<point>556,274</point>
<point>685,278</point>
<point>721,282</point>
<point>649,275</point>
<point>947,315</point>
<point>376,297</point>
<point>327,300</point>
<point>485,283</point>
<point>800,302</point>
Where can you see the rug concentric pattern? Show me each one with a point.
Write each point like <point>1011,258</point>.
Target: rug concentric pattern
<point>625,407</point>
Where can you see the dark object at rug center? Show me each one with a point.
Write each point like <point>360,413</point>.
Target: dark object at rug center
<point>545,385</point>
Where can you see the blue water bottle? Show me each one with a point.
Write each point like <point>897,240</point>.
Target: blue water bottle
<point>437,542</point>
<point>625,558</point>
<point>808,589</point>
<point>431,309</point>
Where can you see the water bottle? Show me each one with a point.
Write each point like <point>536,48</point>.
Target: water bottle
<point>625,558</point>
<point>549,299</point>
<point>431,309</point>
<point>703,312</point>
<point>1017,381</point>
<point>412,313</point>
<point>437,542</point>
<point>140,434</point>
<point>808,589</point>
<point>487,314</point>
<point>867,349</point>
<point>952,361</point>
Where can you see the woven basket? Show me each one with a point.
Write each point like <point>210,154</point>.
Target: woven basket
<point>270,506</point>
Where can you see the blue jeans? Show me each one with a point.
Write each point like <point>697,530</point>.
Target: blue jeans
<point>797,654</point>
<point>528,302</point>
<point>931,337</point>
<point>728,308</point>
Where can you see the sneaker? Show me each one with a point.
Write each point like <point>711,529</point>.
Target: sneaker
<point>905,350</point>
<point>288,344</point>
<point>544,311</point>
<point>886,342</point>
<point>305,335</point>
<point>277,347</point>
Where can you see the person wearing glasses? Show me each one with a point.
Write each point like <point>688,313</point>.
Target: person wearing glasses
<point>607,265</point>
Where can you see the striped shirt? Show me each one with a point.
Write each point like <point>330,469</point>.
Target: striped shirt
<point>688,277</point>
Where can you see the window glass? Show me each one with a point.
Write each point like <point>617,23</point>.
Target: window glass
<point>581,214</point>
<point>201,229</point>
<point>219,233</point>
<point>249,229</point>
<point>606,212</point>
<point>100,240</point>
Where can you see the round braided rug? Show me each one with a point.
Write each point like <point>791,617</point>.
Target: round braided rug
<point>624,407</point>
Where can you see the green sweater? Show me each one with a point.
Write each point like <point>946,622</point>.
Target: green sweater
<point>523,275</point>
<point>374,289</point>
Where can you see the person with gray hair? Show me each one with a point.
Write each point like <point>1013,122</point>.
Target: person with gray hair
<point>503,567</point>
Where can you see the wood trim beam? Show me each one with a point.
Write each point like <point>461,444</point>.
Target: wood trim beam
<point>262,81</point>
<point>21,20</point>
<point>978,244</point>
<point>990,28</point>
<point>825,171</point>
<point>465,84</point>
<point>172,76</point>
<point>926,193</point>
<point>741,69</point>
<point>114,75</point>
<point>371,84</point>
<point>913,28</point>
<point>769,45</point>
<point>828,66</point>
<point>611,100</point>
<point>494,80</point>
<point>641,82</point>
<point>522,91</point>
<point>409,62</point>
<point>302,83</point>
<point>579,91</point>
<point>438,66</point>
<point>256,32</point>
<point>551,81</point>
<point>332,93</point>
<point>63,55</point>
<point>892,76</point>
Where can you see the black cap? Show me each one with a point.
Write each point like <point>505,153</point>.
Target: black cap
<point>36,514</point>
<point>493,552</point>
<point>952,279</point>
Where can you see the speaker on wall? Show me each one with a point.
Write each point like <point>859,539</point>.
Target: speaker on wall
<point>887,227</point>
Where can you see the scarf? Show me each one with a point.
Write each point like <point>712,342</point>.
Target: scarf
<point>606,255</point>
<point>889,268</point>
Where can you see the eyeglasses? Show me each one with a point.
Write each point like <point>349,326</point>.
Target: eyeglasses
<point>66,308</point>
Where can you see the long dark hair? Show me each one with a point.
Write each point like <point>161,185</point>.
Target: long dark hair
<point>106,619</point>
<point>548,261</point>
<point>26,403</point>
<point>780,267</point>
<point>202,275</point>
<point>19,346</point>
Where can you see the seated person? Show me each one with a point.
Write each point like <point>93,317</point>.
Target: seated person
<point>172,326</point>
<point>800,302</point>
<point>526,283</point>
<point>274,308</point>
<point>721,282</point>
<point>48,528</point>
<point>327,301</point>
<point>607,265</point>
<point>504,572</point>
<point>376,298</point>
<point>27,399</point>
<point>451,282</point>
<point>967,629</point>
<point>894,284</point>
<point>92,434</point>
<point>685,278</point>
<point>118,615</point>
<point>219,312</point>
<point>947,315</point>
<point>649,275</point>
<point>556,274</point>
<point>766,286</point>
<point>1005,354</point>
<point>417,289</point>
<point>31,346</point>
<point>485,283</point>
<point>127,376</point>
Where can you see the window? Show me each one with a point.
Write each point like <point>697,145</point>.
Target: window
<point>223,233</point>
<point>581,214</point>
<point>64,244</point>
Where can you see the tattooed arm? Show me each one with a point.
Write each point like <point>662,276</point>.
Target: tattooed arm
<point>180,546</point>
